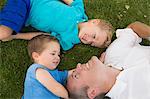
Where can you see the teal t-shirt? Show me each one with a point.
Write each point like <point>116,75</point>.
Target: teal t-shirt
<point>59,19</point>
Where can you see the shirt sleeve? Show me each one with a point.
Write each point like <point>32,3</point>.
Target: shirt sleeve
<point>127,37</point>
<point>77,3</point>
<point>63,76</point>
<point>65,44</point>
<point>120,48</point>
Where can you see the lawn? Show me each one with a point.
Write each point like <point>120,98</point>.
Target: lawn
<point>14,59</point>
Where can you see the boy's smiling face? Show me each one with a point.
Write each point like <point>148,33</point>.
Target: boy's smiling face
<point>49,57</point>
<point>92,34</point>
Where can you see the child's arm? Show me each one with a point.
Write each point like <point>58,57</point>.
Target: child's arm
<point>68,2</point>
<point>141,29</point>
<point>25,36</point>
<point>28,35</point>
<point>50,83</point>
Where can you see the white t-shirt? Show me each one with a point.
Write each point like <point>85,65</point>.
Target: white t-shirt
<point>126,52</point>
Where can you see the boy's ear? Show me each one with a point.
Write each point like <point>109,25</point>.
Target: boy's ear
<point>35,55</point>
<point>92,92</point>
<point>95,21</point>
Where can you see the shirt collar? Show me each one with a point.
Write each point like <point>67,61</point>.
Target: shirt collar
<point>117,88</point>
<point>116,67</point>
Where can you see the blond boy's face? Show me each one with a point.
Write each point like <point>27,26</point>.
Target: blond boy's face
<point>93,35</point>
<point>50,55</point>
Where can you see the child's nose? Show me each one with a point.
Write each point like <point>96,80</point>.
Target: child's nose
<point>86,37</point>
<point>57,57</point>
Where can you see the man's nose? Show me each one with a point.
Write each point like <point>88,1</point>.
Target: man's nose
<point>92,60</point>
<point>79,67</point>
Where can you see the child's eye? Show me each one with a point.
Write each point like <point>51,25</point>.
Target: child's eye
<point>52,53</point>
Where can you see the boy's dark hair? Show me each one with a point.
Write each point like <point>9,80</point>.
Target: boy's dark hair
<point>38,43</point>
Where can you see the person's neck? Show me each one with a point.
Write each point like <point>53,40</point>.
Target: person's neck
<point>111,75</point>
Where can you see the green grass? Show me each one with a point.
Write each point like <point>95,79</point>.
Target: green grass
<point>14,59</point>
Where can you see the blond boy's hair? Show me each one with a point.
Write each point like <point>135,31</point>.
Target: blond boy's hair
<point>108,28</point>
<point>38,44</point>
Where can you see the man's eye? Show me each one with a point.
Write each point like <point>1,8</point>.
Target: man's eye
<point>76,76</point>
<point>94,36</point>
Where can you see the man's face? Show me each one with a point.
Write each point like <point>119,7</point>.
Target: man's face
<point>84,75</point>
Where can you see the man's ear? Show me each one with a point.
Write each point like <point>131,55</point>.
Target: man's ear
<point>92,92</point>
<point>35,56</point>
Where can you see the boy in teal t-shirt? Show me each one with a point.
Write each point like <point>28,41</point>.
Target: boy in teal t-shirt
<point>59,19</point>
<point>67,21</point>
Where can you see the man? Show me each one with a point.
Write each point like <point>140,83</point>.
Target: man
<point>125,73</point>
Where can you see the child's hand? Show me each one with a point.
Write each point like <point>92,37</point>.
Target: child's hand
<point>102,57</point>
<point>65,98</point>
<point>64,94</point>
